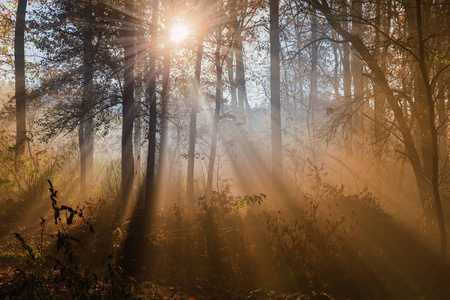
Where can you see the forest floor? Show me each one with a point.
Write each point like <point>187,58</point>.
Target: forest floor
<point>341,247</point>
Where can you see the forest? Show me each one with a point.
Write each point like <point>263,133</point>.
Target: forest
<point>227,149</point>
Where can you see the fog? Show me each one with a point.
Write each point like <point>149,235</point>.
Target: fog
<point>224,150</point>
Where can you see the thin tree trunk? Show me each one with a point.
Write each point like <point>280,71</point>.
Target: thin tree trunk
<point>299,71</point>
<point>193,123</point>
<point>230,69</point>
<point>137,144</point>
<point>379,99</point>
<point>443,123</point>
<point>215,127</point>
<point>347,82</point>
<point>151,152</point>
<point>356,67</point>
<point>277,161</point>
<point>313,92</point>
<point>162,163</point>
<point>337,95</point>
<point>232,52</point>
<point>20,92</point>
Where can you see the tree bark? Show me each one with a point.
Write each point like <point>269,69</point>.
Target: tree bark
<point>137,142</point>
<point>347,81</point>
<point>356,67</point>
<point>151,152</point>
<point>434,136</point>
<point>20,92</point>
<point>379,99</point>
<point>193,123</point>
<point>313,91</point>
<point>232,53</point>
<point>215,127</point>
<point>162,162</point>
<point>277,162</point>
<point>230,69</point>
<point>128,108</point>
<point>86,127</point>
<point>240,75</point>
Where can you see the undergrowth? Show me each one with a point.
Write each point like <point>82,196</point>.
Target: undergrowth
<point>53,268</point>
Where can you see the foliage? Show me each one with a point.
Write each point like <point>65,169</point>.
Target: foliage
<point>54,270</point>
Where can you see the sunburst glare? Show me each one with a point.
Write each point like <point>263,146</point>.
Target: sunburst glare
<point>179,32</point>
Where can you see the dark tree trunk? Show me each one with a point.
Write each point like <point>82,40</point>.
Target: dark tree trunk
<point>193,123</point>
<point>347,82</point>
<point>215,127</point>
<point>151,153</point>
<point>137,142</point>
<point>19,67</point>
<point>356,67</point>
<point>313,92</point>
<point>128,110</point>
<point>379,99</point>
<point>443,123</point>
<point>433,133</point>
<point>136,250</point>
<point>86,128</point>
<point>277,162</point>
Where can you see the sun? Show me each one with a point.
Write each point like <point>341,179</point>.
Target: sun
<point>179,32</point>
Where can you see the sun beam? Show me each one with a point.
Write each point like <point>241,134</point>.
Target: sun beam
<point>179,32</point>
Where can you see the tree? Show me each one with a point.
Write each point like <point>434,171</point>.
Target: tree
<point>218,102</point>
<point>151,153</point>
<point>277,162</point>
<point>19,65</point>
<point>427,180</point>
<point>356,68</point>
<point>313,89</point>
<point>80,68</point>
<point>193,122</point>
<point>86,127</point>
<point>128,107</point>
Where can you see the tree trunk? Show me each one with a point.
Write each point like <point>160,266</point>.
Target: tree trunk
<point>337,95</point>
<point>230,69</point>
<point>151,152</point>
<point>379,99</point>
<point>347,82</point>
<point>277,162</point>
<point>137,143</point>
<point>193,123</point>
<point>356,67</point>
<point>20,93</point>
<point>313,92</point>
<point>443,123</point>
<point>86,128</point>
<point>434,136</point>
<point>240,74</point>
<point>128,109</point>
<point>232,53</point>
<point>215,127</point>
<point>162,163</point>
